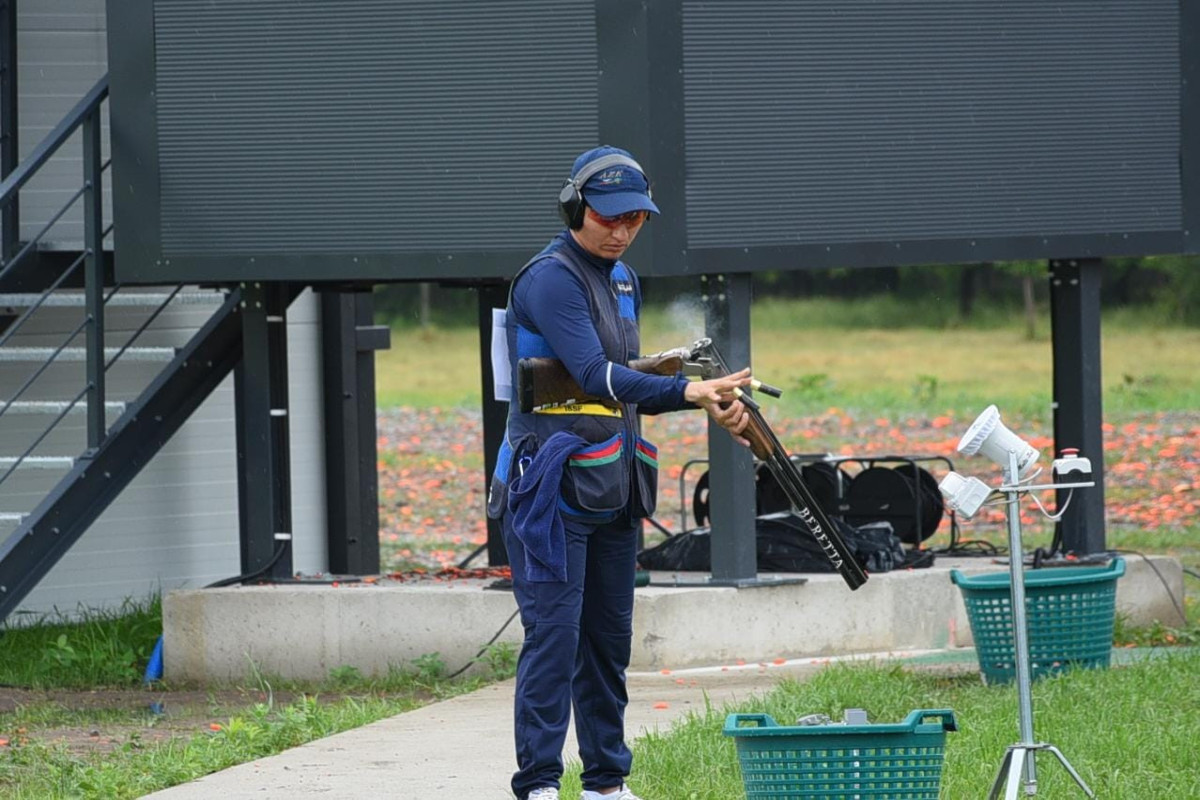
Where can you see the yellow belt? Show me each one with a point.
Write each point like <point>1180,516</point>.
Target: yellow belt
<point>596,409</point>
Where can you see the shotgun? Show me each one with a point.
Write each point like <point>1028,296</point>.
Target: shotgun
<point>545,383</point>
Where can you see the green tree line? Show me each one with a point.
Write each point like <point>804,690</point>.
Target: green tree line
<point>1168,286</point>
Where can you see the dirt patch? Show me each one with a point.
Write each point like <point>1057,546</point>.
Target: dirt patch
<point>102,720</point>
<point>432,493</point>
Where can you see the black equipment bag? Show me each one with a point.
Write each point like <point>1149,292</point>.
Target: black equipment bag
<point>906,495</point>
<point>783,544</point>
<point>827,483</point>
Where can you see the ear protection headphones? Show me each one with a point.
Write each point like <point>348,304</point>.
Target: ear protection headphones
<point>570,198</point>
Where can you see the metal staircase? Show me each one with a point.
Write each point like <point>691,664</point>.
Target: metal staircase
<point>68,449</point>
<point>40,430</point>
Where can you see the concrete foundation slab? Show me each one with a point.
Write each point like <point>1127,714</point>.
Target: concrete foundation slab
<point>304,631</point>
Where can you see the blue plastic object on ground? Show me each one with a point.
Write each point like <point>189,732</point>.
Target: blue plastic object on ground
<point>154,668</point>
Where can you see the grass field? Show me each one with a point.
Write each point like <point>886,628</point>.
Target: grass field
<point>910,383</point>
<point>1129,732</point>
<point>865,377</point>
<point>76,721</point>
<point>824,353</point>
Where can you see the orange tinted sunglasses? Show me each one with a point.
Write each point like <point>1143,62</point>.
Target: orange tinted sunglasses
<point>630,219</point>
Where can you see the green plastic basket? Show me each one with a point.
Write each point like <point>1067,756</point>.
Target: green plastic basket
<point>1069,615</point>
<point>901,761</point>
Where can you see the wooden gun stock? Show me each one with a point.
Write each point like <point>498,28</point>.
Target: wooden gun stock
<point>544,383</point>
<point>760,439</point>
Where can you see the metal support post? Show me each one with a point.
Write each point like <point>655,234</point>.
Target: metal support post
<point>276,301</point>
<point>264,482</point>
<point>1018,767</point>
<point>349,339</point>
<point>93,236</point>
<point>1078,412</point>
<point>1016,572</point>
<point>731,466</point>
<point>495,413</point>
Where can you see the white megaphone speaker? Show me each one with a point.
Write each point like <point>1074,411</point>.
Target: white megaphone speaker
<point>988,436</point>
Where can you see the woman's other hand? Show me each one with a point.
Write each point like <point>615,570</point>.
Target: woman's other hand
<point>717,398</point>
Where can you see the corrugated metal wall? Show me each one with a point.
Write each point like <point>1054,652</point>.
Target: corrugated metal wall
<point>462,139</point>
<point>929,119</point>
<point>61,53</point>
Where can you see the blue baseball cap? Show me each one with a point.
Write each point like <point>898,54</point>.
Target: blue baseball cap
<point>615,189</point>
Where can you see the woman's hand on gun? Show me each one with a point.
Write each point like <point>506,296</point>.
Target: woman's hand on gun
<point>718,399</point>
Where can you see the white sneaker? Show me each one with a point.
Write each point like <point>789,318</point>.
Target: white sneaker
<point>623,794</point>
<point>544,793</point>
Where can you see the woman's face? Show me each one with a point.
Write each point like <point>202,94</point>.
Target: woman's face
<point>608,237</point>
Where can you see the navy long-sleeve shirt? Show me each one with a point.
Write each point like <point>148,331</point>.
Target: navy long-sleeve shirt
<point>549,300</point>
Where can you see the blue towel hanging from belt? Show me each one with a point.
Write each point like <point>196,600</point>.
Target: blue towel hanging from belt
<point>533,502</point>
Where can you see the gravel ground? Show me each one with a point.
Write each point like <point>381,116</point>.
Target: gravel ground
<point>432,489</point>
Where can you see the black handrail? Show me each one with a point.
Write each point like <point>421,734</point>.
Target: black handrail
<point>29,382</point>
<point>84,117</point>
<point>45,365</point>
<point>32,244</point>
<point>53,140</point>
<point>16,326</point>
<point>42,436</point>
<point>149,321</point>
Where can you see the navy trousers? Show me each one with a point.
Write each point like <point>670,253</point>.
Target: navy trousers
<point>578,636</point>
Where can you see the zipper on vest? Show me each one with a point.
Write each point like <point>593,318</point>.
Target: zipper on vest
<point>630,420</point>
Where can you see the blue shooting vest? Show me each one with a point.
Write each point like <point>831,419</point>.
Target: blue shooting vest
<point>615,470</point>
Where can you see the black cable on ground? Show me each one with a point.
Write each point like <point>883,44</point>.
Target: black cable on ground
<point>660,526</point>
<point>1162,580</point>
<point>475,554</point>
<point>966,547</point>
<point>971,547</point>
<point>1056,542</point>
<point>483,649</point>
<point>258,573</point>
<point>492,641</point>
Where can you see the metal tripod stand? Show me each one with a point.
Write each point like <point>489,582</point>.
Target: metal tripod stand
<point>1019,767</point>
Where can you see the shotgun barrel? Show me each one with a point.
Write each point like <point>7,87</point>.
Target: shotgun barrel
<point>767,448</point>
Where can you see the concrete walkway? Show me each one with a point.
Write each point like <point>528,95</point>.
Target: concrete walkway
<point>462,748</point>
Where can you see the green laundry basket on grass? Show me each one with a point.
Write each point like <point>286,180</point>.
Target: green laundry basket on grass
<point>901,761</point>
<point>1069,613</point>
